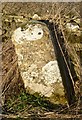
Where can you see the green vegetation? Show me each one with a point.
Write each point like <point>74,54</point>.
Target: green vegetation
<point>26,101</point>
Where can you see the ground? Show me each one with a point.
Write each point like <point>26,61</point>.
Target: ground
<point>10,21</point>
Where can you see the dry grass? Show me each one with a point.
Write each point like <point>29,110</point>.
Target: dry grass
<point>11,77</point>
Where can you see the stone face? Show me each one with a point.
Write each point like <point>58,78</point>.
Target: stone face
<point>31,33</point>
<point>51,72</point>
<point>36,60</point>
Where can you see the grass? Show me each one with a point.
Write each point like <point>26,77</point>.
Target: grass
<point>27,101</point>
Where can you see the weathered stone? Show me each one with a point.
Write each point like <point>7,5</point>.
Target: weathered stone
<point>36,60</point>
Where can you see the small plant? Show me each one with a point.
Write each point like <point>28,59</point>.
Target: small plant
<point>24,101</point>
